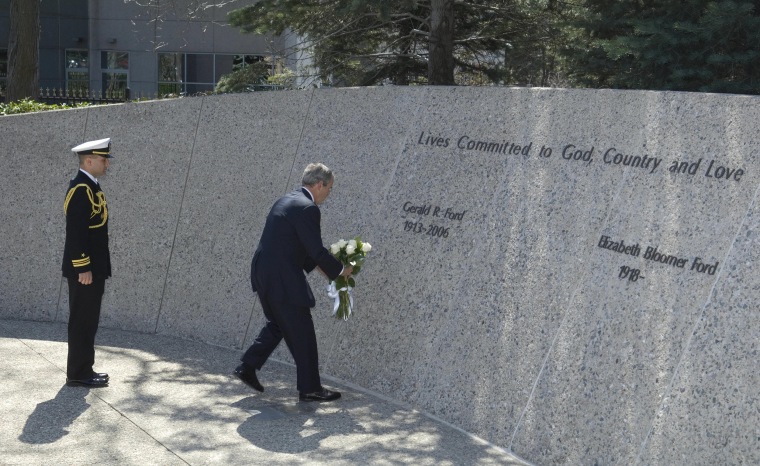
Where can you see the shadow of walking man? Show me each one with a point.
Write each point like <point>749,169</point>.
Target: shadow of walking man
<point>50,420</point>
<point>283,428</point>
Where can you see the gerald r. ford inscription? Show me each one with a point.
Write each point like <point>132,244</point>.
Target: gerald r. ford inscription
<point>440,231</point>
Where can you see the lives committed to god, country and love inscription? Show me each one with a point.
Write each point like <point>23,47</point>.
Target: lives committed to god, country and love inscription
<point>711,169</point>
<point>571,152</point>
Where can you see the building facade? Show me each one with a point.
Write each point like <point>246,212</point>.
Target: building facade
<point>152,47</point>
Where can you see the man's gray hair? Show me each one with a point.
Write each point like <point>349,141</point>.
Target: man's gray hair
<point>316,172</point>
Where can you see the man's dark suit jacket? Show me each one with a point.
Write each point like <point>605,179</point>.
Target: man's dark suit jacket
<point>290,244</point>
<point>86,247</point>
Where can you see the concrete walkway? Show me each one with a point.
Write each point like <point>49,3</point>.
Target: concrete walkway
<point>173,401</point>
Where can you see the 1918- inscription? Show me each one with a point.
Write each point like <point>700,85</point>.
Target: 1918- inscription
<point>654,254</point>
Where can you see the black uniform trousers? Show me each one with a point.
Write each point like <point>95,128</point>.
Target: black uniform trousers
<point>294,324</point>
<point>84,315</point>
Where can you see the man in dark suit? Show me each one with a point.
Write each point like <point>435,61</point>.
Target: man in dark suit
<point>290,244</point>
<point>86,260</point>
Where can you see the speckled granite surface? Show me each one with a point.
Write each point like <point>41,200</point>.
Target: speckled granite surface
<point>564,273</point>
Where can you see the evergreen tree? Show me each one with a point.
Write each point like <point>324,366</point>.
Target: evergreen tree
<point>366,42</point>
<point>688,45</point>
<point>536,36</point>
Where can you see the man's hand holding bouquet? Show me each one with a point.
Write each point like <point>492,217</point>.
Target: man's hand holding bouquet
<point>351,253</point>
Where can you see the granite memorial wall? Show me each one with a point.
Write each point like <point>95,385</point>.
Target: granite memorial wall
<point>568,274</point>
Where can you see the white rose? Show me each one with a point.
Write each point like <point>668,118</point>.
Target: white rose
<point>350,249</point>
<point>366,247</point>
<point>341,244</point>
<point>352,243</point>
<point>335,249</point>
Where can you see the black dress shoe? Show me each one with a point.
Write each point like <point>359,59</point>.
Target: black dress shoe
<point>91,382</point>
<point>248,376</point>
<point>322,395</point>
<point>100,375</point>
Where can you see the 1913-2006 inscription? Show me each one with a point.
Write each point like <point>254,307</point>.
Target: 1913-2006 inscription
<point>442,216</point>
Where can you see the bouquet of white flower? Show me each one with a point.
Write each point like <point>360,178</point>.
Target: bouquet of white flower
<point>351,252</point>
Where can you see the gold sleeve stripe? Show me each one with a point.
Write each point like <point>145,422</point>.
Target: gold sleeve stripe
<point>81,262</point>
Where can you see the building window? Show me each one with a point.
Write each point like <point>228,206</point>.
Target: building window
<point>3,70</point>
<point>199,72</point>
<point>77,72</point>
<point>170,73</point>
<point>115,73</point>
<point>193,73</point>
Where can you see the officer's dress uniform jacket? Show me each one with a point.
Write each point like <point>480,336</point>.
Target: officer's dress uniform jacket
<point>86,247</point>
<point>85,250</point>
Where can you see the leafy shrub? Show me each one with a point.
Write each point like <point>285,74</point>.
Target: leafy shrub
<point>30,106</point>
<point>245,79</point>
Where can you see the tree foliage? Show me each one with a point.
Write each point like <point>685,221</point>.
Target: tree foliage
<point>688,45</point>
<point>365,42</point>
<point>244,79</point>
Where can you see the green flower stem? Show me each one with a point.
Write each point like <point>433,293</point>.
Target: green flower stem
<point>343,307</point>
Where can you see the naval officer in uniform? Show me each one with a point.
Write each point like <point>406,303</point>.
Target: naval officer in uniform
<point>86,260</point>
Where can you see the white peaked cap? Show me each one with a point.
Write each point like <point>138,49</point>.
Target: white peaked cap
<point>99,147</point>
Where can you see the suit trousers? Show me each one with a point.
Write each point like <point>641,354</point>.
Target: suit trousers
<point>84,316</point>
<point>294,324</point>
